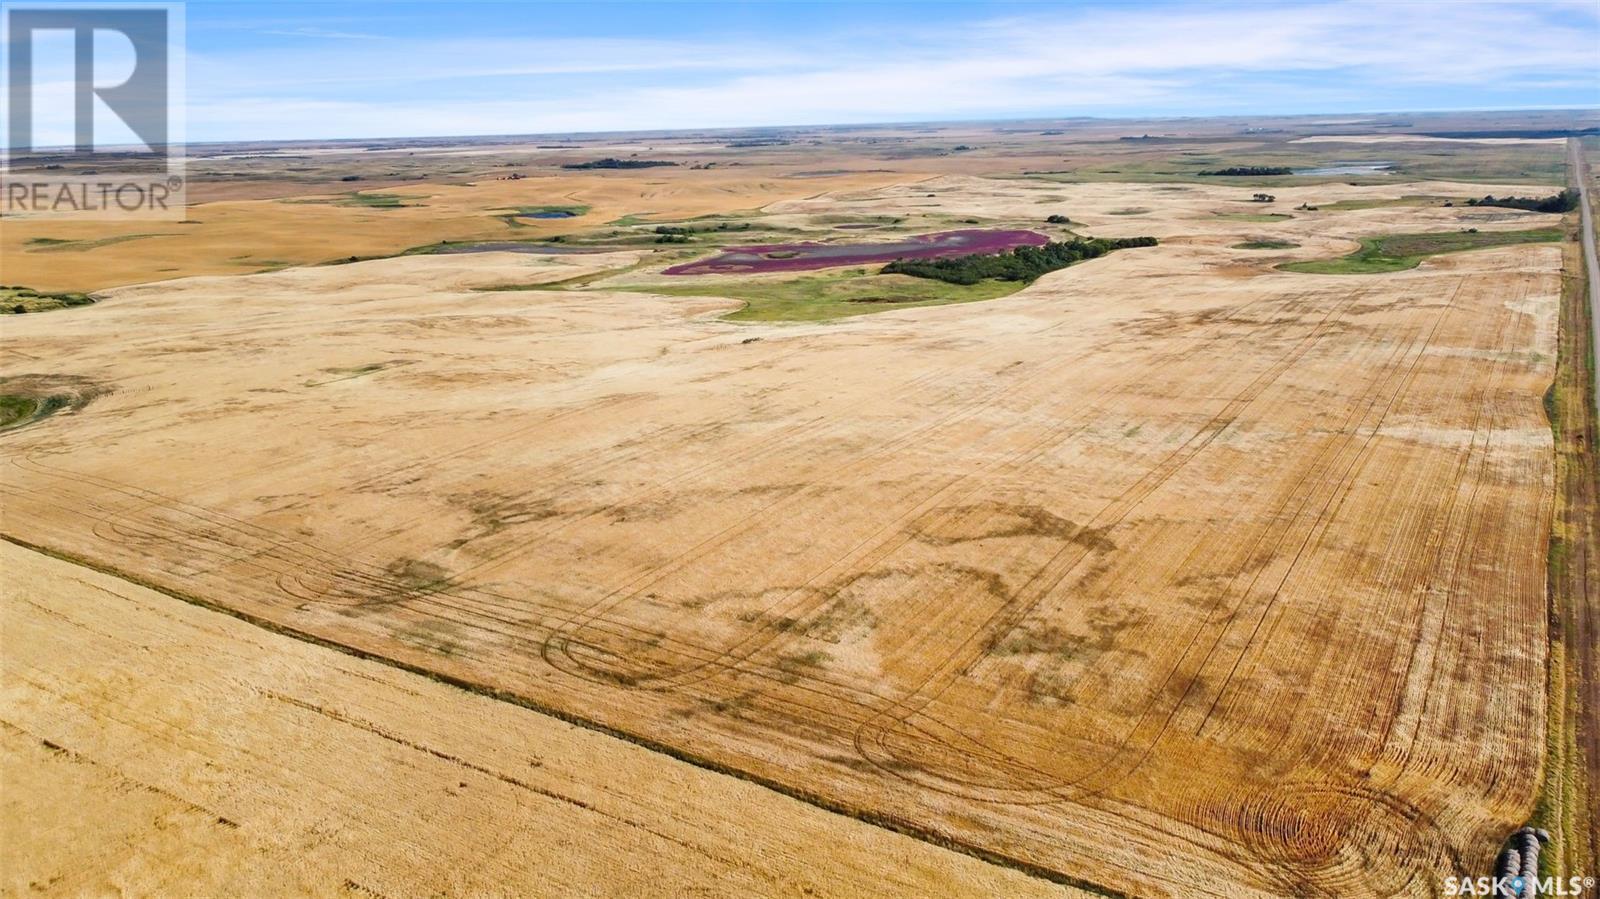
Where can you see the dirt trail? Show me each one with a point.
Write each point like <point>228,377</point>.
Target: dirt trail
<point>1591,259</point>
<point>1574,772</point>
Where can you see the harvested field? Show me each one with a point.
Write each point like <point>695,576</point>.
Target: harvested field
<point>256,763</point>
<point>238,236</point>
<point>1170,574</point>
<point>1397,252</point>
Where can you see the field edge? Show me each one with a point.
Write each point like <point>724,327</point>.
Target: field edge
<point>1568,803</point>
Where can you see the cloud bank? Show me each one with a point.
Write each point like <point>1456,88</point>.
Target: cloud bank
<point>316,82</point>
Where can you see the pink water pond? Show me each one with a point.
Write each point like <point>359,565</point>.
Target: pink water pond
<point>803,256</point>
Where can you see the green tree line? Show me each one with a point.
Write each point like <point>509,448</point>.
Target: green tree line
<point>1566,201</point>
<point>1250,171</point>
<point>1020,264</point>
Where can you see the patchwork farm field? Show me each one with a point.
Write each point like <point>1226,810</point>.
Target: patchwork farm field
<point>1170,573</point>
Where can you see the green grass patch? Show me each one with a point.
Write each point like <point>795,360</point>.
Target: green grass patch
<point>22,300</point>
<point>1407,200</point>
<point>376,201</point>
<point>1266,245</point>
<point>1131,210</point>
<point>568,211</point>
<point>1260,217</point>
<point>833,219</point>
<point>1398,252</point>
<point>835,295</point>
<point>17,409</point>
<point>59,245</point>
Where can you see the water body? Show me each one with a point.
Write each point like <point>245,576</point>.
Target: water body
<point>1349,168</point>
<point>803,256</point>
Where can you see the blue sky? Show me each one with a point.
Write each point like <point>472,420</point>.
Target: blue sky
<point>332,69</point>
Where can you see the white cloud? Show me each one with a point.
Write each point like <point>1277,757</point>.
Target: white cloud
<point>1058,61</point>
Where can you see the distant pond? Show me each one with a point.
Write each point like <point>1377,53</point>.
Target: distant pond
<point>1349,168</point>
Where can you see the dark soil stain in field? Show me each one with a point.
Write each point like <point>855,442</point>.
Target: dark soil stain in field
<point>990,521</point>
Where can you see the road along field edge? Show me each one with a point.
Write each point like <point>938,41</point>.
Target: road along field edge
<point>1569,801</point>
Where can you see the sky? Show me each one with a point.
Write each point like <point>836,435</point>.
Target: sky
<point>315,70</point>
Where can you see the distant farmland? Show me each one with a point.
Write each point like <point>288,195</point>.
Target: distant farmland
<point>531,549</point>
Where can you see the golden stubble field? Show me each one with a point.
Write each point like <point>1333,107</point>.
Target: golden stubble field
<point>156,749</point>
<point>242,236</point>
<point>1172,573</point>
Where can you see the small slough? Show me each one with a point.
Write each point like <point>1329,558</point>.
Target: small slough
<point>1335,169</point>
<point>30,398</point>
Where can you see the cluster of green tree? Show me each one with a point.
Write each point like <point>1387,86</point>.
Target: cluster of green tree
<point>1566,201</point>
<point>1250,171</point>
<point>696,229</point>
<point>1058,220</point>
<point>1021,264</point>
<point>611,162</point>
